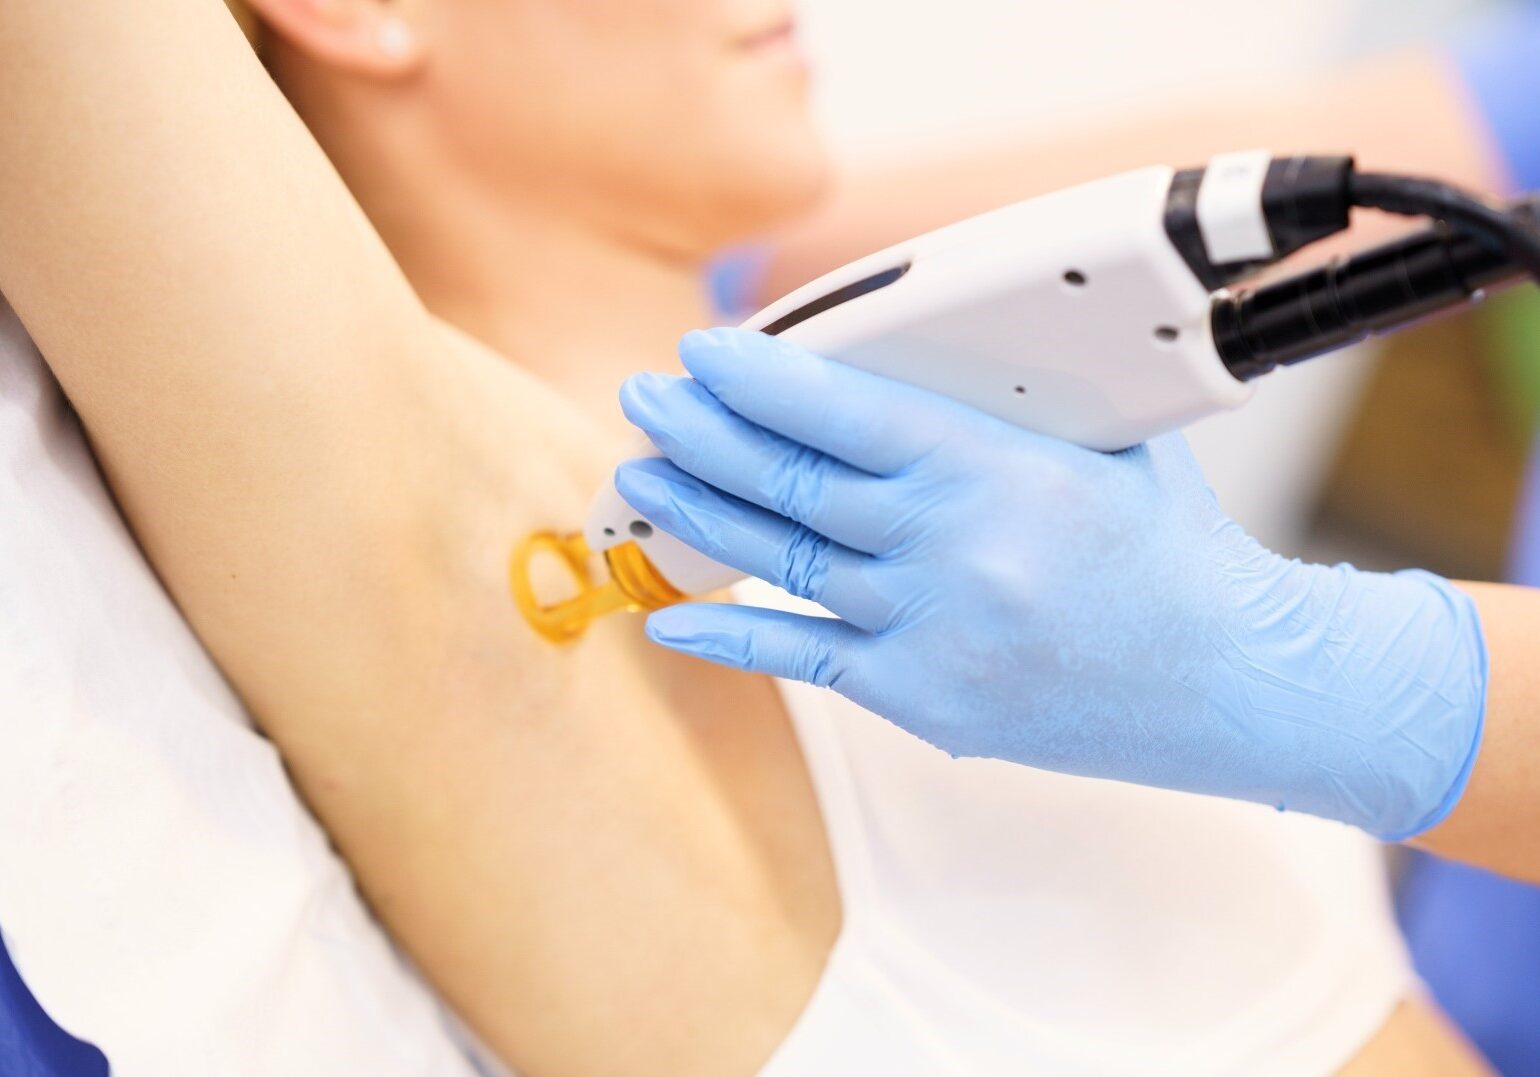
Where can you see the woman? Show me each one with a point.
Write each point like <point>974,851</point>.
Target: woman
<point>593,866</point>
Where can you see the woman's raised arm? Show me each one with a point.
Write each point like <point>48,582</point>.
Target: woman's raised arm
<point>207,292</point>
<point>329,485</point>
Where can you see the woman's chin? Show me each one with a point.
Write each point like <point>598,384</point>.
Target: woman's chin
<point>783,190</point>
<point>733,199</point>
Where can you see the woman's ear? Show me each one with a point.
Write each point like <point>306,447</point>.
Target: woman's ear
<point>367,37</point>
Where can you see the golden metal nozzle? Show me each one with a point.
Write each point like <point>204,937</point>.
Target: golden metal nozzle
<point>634,584</point>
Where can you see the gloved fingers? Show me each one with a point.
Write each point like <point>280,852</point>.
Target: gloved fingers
<point>754,540</point>
<point>818,650</point>
<point>703,437</point>
<point>871,422</point>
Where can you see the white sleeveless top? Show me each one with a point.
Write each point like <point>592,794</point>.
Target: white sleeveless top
<point>1004,920</point>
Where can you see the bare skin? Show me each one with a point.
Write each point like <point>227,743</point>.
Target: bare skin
<point>1417,1041</point>
<point>1497,819</point>
<point>569,842</point>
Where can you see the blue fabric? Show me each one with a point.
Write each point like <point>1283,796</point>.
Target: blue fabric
<point>734,278</point>
<point>31,1045</point>
<point>1475,937</point>
<point>1500,61</point>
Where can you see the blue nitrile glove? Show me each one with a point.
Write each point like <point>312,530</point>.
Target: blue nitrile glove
<point>1004,594</point>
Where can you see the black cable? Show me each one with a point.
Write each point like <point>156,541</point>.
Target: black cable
<point>1511,228</point>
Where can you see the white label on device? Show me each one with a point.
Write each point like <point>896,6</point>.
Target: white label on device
<point>1230,208</point>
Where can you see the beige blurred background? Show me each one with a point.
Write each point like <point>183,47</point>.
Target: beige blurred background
<point>1331,460</point>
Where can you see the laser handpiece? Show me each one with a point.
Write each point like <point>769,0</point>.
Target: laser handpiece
<point>1103,314</point>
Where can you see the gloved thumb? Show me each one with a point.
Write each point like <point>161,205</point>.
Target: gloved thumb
<point>792,646</point>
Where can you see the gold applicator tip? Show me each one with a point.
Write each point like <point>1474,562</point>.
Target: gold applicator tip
<point>634,585</point>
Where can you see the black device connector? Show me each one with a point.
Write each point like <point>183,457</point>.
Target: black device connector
<point>1350,299</point>
<point>1475,244</point>
<point>1185,235</point>
<point>1304,199</point>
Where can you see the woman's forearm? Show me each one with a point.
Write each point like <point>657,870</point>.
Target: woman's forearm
<point>1497,819</point>
<point>1409,111</point>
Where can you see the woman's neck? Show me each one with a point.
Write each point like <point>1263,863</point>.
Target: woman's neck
<point>579,309</point>
<point>557,295</point>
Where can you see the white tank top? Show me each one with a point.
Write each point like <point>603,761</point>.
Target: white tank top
<point>1004,920</point>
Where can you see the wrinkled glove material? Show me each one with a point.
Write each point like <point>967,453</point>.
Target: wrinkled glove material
<point>1003,594</point>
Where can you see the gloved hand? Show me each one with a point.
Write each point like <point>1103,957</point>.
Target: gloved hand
<point>1004,594</point>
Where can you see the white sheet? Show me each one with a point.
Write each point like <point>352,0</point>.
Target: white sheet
<point>164,893</point>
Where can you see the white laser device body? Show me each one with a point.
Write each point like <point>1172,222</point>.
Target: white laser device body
<point>1071,314</point>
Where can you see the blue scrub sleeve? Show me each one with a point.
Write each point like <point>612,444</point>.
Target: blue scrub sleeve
<point>1500,61</point>
<point>734,278</point>
<point>31,1045</point>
